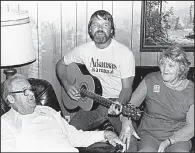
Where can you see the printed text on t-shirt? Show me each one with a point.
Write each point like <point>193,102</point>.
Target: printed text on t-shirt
<point>104,67</point>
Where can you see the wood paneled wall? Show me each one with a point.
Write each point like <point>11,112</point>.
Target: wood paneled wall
<point>58,26</point>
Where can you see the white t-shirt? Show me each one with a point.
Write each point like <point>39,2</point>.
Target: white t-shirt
<point>109,65</point>
<point>43,131</point>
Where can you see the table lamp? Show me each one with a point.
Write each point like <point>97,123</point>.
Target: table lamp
<point>16,41</point>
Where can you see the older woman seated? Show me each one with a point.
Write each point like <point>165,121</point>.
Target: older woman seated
<point>168,120</point>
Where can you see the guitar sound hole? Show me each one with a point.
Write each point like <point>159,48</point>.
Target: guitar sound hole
<point>85,88</point>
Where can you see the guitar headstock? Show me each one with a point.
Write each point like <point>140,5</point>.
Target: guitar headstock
<point>131,111</point>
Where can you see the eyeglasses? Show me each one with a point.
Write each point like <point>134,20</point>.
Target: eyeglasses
<point>25,91</point>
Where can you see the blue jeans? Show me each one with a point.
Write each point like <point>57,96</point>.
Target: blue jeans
<point>87,120</point>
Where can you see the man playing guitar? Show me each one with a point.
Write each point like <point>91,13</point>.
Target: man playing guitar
<point>108,60</point>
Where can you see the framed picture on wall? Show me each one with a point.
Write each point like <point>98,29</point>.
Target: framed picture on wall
<point>166,23</point>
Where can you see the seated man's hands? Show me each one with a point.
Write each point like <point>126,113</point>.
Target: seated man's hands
<point>127,128</point>
<point>113,139</point>
<point>127,131</point>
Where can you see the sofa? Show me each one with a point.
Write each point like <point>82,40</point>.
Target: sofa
<point>45,95</point>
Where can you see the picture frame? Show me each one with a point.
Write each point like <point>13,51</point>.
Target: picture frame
<point>166,23</point>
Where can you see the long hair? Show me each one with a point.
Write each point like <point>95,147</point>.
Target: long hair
<point>177,54</point>
<point>106,16</point>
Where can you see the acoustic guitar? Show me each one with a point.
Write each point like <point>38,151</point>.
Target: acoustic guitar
<point>90,90</point>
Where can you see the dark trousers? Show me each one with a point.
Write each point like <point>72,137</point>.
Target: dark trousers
<point>87,120</point>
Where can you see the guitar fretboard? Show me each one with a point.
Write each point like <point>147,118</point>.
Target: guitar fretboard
<point>96,97</point>
<point>129,111</point>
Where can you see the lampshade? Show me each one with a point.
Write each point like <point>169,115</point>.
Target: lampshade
<point>16,39</point>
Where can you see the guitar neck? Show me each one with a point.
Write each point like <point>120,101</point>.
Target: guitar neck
<point>96,97</point>
<point>127,111</point>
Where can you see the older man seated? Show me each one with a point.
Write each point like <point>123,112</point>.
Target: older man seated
<point>28,127</point>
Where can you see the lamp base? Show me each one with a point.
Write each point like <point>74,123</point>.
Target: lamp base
<point>9,72</point>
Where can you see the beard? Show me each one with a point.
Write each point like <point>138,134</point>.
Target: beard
<point>100,37</point>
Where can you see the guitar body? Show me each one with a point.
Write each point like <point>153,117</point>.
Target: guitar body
<point>91,92</point>
<point>78,75</point>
